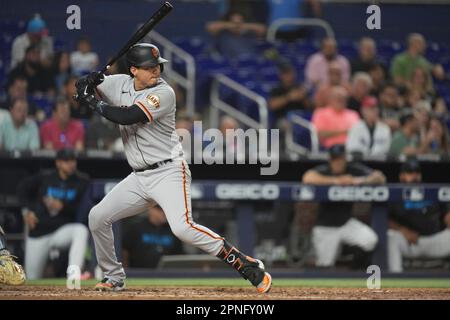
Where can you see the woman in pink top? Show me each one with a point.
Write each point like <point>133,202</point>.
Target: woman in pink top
<point>334,121</point>
<point>61,131</point>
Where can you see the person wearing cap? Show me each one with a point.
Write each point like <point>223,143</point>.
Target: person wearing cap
<point>417,228</point>
<point>335,225</point>
<point>50,203</point>
<point>36,34</point>
<point>288,95</point>
<point>370,136</point>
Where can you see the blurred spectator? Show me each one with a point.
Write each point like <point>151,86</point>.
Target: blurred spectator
<point>36,35</point>
<point>440,108</point>
<point>77,110</point>
<point>406,139</point>
<point>436,140</point>
<point>245,7</point>
<point>185,129</point>
<point>422,112</point>
<point>40,80</point>
<point>101,134</point>
<point>16,131</point>
<point>370,136</point>
<point>61,131</point>
<point>417,228</point>
<point>50,202</point>
<point>335,225</point>
<point>334,121</point>
<point>322,95</point>
<point>61,70</point>
<point>83,60</point>
<point>316,70</point>
<point>289,95</point>
<point>234,144</point>
<point>421,82</point>
<point>390,105</point>
<point>361,87</point>
<point>404,64</point>
<point>378,75</point>
<point>234,36</point>
<point>294,9</point>
<point>147,239</point>
<point>17,89</point>
<point>367,56</point>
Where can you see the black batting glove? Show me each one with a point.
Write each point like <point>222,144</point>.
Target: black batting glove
<point>95,78</point>
<point>85,97</point>
<point>89,81</point>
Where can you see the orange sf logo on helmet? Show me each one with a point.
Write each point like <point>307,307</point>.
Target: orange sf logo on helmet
<point>155,53</point>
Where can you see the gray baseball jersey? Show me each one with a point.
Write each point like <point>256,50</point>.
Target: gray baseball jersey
<point>153,141</point>
<point>168,185</point>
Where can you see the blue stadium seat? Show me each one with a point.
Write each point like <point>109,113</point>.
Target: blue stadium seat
<point>194,45</point>
<point>301,135</point>
<point>43,103</point>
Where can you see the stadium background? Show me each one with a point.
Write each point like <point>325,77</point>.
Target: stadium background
<point>109,23</point>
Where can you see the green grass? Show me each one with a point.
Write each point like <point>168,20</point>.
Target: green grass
<point>237,282</point>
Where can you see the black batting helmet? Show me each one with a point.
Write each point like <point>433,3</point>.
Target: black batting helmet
<point>145,55</point>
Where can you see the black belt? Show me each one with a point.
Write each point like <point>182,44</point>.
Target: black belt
<point>153,166</point>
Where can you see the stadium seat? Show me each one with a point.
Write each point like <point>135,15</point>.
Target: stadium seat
<point>301,135</point>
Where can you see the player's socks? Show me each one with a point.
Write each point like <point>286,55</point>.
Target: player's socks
<point>249,268</point>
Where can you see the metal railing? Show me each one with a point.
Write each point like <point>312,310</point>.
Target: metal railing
<point>217,104</point>
<point>308,22</point>
<point>292,146</point>
<point>169,51</point>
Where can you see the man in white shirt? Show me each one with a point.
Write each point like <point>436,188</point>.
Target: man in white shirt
<point>37,34</point>
<point>83,60</point>
<point>370,136</point>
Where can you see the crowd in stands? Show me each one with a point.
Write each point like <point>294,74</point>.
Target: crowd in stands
<point>38,111</point>
<point>374,106</point>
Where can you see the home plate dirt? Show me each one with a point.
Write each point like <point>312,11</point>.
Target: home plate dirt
<point>222,293</point>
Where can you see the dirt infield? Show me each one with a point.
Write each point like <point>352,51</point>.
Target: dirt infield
<point>230,293</point>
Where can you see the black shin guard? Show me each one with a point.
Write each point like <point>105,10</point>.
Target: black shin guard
<point>231,256</point>
<point>247,267</point>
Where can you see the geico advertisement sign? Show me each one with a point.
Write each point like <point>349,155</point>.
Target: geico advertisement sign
<point>337,193</point>
<point>247,191</point>
<point>444,194</point>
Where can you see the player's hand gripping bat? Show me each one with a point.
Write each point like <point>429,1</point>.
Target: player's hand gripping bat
<point>137,36</point>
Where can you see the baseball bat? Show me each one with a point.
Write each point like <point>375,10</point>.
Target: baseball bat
<point>141,32</point>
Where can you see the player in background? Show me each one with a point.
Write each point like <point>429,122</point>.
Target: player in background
<point>417,229</point>
<point>335,225</point>
<point>143,104</point>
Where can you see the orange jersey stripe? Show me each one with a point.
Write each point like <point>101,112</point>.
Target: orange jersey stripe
<point>144,108</point>
<point>187,210</point>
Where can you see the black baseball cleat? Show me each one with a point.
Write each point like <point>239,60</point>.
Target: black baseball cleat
<point>109,285</point>
<point>250,269</point>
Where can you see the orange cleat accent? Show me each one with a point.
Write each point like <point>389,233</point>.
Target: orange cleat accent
<point>266,283</point>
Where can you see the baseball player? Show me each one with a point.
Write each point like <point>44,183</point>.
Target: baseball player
<point>417,229</point>
<point>11,273</point>
<point>143,105</point>
<point>335,225</point>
